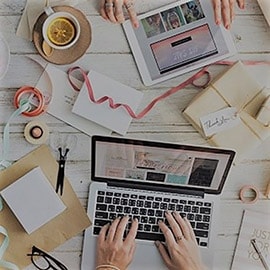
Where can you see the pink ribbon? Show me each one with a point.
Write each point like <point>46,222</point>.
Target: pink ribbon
<point>192,80</point>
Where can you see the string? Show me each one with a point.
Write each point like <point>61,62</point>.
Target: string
<point>114,105</point>
<point>5,264</point>
<point>24,106</point>
<point>192,80</point>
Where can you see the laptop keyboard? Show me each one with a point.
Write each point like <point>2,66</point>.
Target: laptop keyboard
<point>149,209</point>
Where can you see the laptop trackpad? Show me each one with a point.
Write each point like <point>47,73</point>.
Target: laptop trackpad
<point>147,257</point>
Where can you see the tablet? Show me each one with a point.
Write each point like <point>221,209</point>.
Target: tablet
<point>177,38</point>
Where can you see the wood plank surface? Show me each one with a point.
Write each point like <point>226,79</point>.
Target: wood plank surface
<point>109,54</point>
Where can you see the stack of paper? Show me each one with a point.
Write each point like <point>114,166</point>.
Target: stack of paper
<point>33,200</point>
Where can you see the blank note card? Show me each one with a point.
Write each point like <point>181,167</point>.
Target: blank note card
<point>33,200</point>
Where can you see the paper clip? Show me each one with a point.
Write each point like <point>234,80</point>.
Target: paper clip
<point>64,146</point>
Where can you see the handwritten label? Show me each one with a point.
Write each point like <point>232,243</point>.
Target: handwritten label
<point>219,121</point>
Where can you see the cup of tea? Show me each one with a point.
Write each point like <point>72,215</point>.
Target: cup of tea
<point>60,30</point>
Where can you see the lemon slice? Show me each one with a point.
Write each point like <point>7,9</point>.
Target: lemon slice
<point>61,31</point>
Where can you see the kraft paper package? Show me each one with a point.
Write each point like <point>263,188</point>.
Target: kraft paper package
<point>234,88</point>
<point>58,230</point>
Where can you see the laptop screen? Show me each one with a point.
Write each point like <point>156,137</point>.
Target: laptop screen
<point>159,163</point>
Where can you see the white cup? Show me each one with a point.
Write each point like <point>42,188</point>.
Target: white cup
<point>52,15</point>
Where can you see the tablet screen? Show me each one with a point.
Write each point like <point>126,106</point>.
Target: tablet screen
<point>177,38</point>
<point>185,48</point>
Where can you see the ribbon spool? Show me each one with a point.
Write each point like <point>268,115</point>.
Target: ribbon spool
<point>249,189</point>
<point>36,99</point>
<point>29,101</point>
<point>36,132</point>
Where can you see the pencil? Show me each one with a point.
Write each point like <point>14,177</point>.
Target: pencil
<point>267,192</point>
<point>261,257</point>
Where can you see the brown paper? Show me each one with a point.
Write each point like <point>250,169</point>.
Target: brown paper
<point>235,88</point>
<point>52,234</point>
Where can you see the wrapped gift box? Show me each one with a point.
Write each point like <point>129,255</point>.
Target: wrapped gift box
<point>234,88</point>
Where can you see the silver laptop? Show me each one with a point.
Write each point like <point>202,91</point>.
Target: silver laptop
<point>177,38</point>
<point>143,179</point>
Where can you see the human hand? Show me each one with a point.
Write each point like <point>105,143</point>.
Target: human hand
<point>180,251</point>
<point>112,249</point>
<point>224,11</point>
<point>112,10</point>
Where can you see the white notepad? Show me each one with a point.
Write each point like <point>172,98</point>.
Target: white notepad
<point>118,119</point>
<point>33,200</point>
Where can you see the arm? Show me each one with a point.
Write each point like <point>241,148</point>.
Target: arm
<point>114,252</point>
<point>180,251</point>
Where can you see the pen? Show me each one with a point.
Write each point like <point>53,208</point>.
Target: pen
<point>261,257</point>
<point>267,192</point>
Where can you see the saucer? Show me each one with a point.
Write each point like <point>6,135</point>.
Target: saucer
<point>70,55</point>
<point>4,57</point>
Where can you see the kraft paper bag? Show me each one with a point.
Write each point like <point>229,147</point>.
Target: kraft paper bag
<point>234,88</point>
<point>68,224</point>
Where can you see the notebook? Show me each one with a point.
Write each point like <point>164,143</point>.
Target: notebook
<point>143,179</point>
<point>177,38</point>
<point>255,225</point>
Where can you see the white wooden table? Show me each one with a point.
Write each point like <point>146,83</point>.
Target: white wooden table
<point>109,54</point>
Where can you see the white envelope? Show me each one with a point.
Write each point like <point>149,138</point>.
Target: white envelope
<point>118,119</point>
<point>55,81</point>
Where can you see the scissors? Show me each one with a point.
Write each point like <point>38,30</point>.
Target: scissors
<point>64,145</point>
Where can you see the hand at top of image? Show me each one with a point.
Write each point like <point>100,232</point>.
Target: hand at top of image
<point>112,10</point>
<point>224,11</point>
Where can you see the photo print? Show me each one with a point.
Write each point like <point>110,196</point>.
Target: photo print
<point>203,172</point>
<point>173,18</point>
<point>153,25</point>
<point>192,11</point>
<point>135,174</point>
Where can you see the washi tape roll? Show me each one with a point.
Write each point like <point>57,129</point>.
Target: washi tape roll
<point>247,190</point>
<point>36,132</point>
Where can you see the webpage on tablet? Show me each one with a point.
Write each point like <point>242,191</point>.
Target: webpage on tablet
<point>177,38</point>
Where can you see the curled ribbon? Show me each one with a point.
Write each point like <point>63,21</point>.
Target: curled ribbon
<point>192,80</point>
<point>24,106</point>
<point>5,264</point>
<point>113,105</point>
